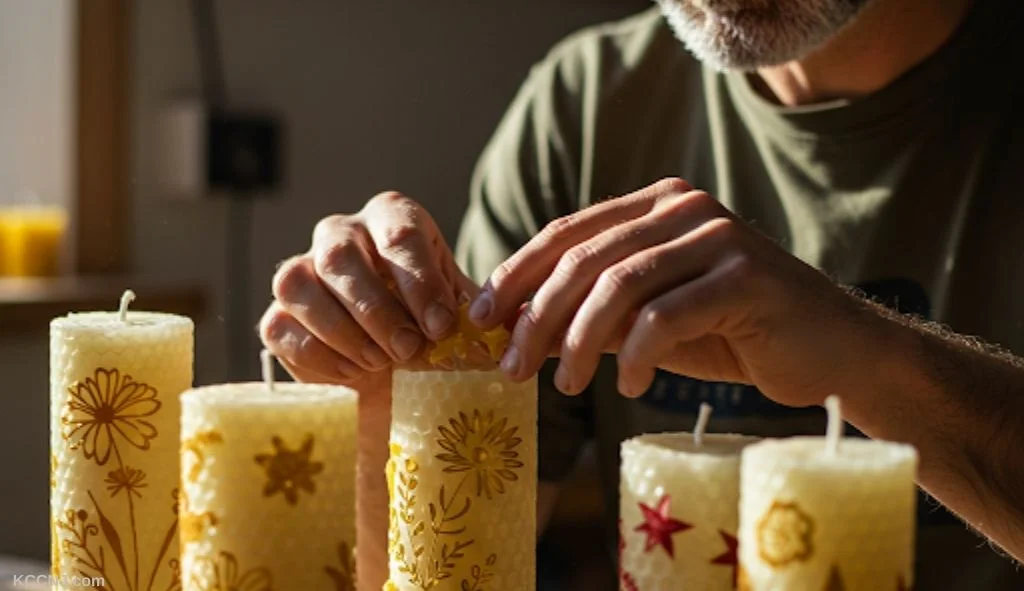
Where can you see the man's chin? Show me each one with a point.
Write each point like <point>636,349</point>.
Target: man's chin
<point>748,39</point>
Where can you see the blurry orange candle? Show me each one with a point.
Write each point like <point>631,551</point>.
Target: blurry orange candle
<point>31,240</point>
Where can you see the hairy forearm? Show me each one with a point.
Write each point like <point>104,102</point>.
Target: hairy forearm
<point>961,403</point>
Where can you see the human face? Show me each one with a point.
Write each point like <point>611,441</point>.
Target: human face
<point>749,34</point>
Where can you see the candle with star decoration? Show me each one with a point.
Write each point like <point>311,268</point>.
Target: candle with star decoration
<point>268,486</point>
<point>828,513</point>
<point>462,474</point>
<point>115,378</point>
<point>678,511</point>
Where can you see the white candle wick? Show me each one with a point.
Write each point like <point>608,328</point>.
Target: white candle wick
<point>126,299</point>
<point>703,416</point>
<point>834,431</point>
<point>267,360</point>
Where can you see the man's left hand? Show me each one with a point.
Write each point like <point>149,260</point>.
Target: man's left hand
<point>668,278</point>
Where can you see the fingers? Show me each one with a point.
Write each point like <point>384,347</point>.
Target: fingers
<point>293,344</point>
<point>523,272</point>
<point>343,264</point>
<point>299,291</point>
<point>592,264</point>
<point>409,244</point>
<point>705,306</point>
<point>627,286</point>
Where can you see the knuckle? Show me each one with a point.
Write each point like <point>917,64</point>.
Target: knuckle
<point>724,229</point>
<point>335,259</point>
<point>502,272</point>
<point>654,317</point>
<point>576,259</point>
<point>275,327</point>
<point>390,199</point>
<point>371,309</point>
<point>328,226</point>
<point>673,185</point>
<point>292,280</point>
<point>685,204</point>
<point>399,236</point>
<point>740,269</point>
<point>617,279</point>
<point>559,227</point>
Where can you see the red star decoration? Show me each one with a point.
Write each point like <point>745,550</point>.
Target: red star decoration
<point>730,556</point>
<point>659,527</point>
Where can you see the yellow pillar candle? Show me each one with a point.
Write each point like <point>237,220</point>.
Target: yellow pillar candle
<point>827,513</point>
<point>31,240</point>
<point>114,385</point>
<point>678,510</point>
<point>463,482</point>
<point>268,487</point>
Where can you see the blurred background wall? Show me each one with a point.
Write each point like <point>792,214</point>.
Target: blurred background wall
<point>388,94</point>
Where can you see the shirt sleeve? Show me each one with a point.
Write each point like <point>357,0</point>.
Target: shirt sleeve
<point>528,175</point>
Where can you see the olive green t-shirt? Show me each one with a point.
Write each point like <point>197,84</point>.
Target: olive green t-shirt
<point>915,194</point>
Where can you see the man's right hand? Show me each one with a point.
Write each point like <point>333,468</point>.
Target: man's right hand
<point>369,293</point>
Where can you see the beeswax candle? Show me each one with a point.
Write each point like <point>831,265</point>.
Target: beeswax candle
<point>115,378</point>
<point>827,513</point>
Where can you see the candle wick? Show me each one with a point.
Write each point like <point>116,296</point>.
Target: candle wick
<point>703,416</point>
<point>126,299</point>
<point>834,431</point>
<point>267,360</point>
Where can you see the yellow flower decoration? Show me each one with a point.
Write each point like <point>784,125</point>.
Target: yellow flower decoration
<point>106,408</point>
<point>482,445</point>
<point>784,534</point>
<point>127,479</point>
<point>288,471</point>
<point>457,347</point>
<point>222,574</point>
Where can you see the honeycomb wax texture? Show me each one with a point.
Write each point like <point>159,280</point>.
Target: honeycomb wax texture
<point>268,487</point>
<point>462,478</point>
<point>679,511</point>
<point>810,519</point>
<point>114,387</point>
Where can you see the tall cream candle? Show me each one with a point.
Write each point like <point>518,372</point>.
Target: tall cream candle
<point>463,482</point>
<point>268,487</point>
<point>114,385</point>
<point>827,513</point>
<point>678,510</point>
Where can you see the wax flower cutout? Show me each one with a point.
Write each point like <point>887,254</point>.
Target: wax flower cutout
<point>104,413</point>
<point>731,555</point>
<point>105,408</point>
<point>456,348</point>
<point>288,470</point>
<point>482,446</point>
<point>222,574</point>
<point>659,526</point>
<point>196,447</point>
<point>343,577</point>
<point>127,479</point>
<point>784,534</point>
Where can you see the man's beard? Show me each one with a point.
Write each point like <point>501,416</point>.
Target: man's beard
<point>749,34</point>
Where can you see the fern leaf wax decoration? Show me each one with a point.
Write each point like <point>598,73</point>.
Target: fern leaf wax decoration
<point>463,481</point>
<point>115,378</point>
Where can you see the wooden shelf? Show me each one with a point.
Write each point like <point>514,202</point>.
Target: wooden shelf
<point>29,304</point>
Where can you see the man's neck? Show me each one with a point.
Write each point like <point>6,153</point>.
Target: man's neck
<point>887,39</point>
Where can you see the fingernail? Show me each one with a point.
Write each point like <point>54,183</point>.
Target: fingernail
<point>374,356</point>
<point>562,380</point>
<point>438,319</point>
<point>406,343</point>
<point>481,308</point>
<point>510,362</point>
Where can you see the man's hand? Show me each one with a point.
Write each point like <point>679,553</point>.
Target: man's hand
<point>667,277</point>
<point>369,292</point>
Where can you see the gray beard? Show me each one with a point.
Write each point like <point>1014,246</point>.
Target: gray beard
<point>751,34</point>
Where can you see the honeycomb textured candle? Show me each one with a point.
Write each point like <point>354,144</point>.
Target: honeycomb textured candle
<point>114,409</point>
<point>814,520</point>
<point>463,482</point>
<point>679,512</point>
<point>268,481</point>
